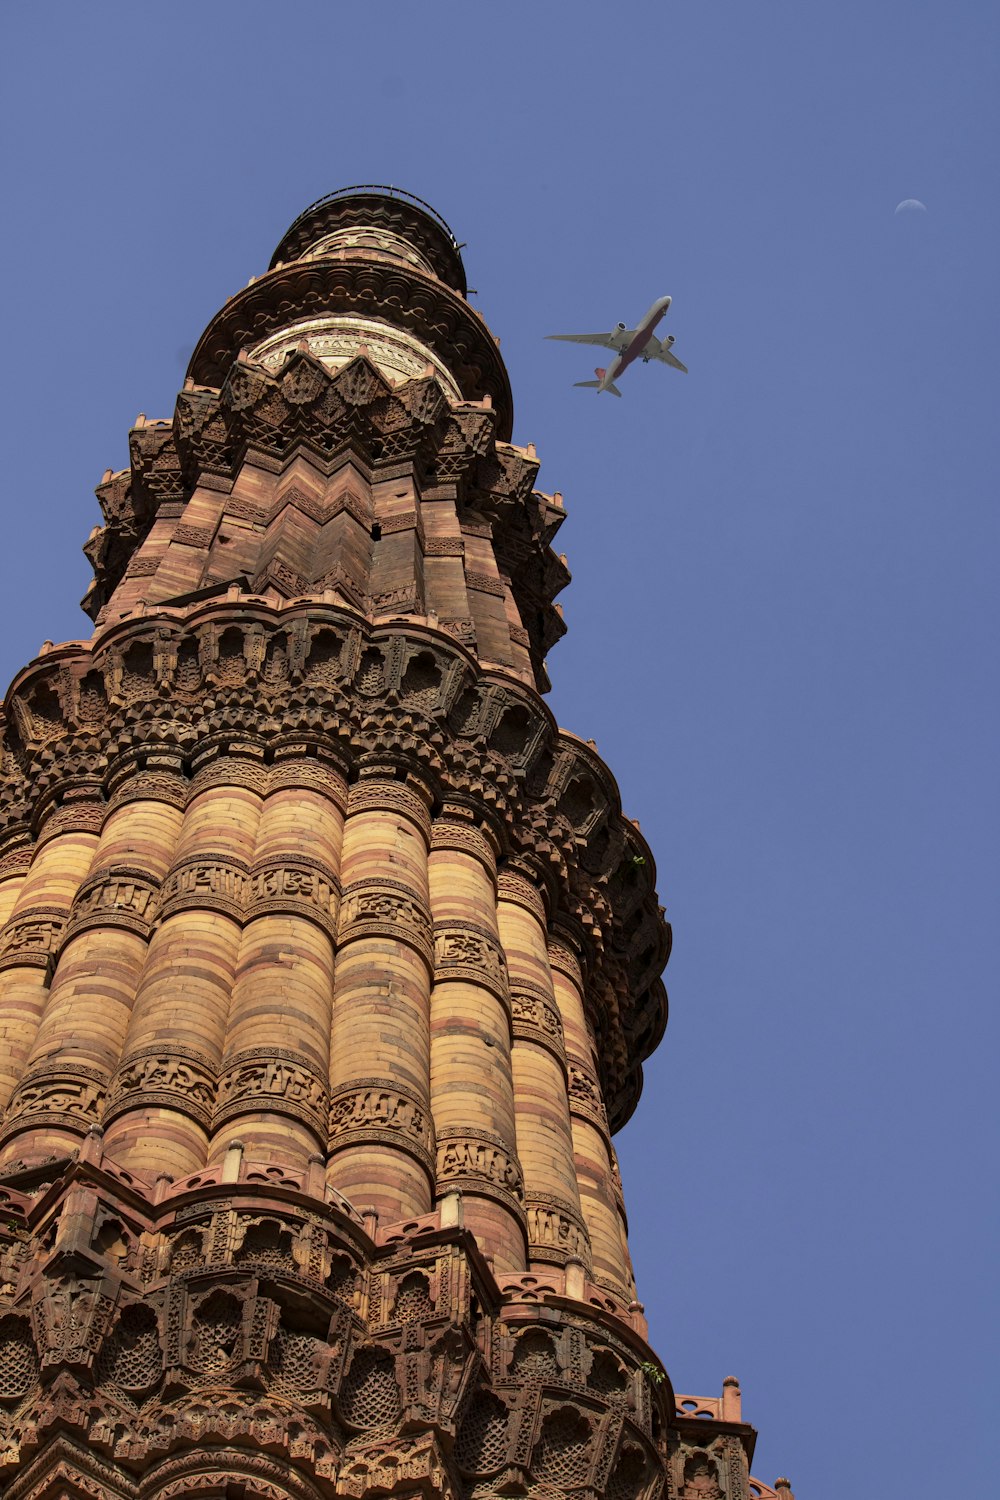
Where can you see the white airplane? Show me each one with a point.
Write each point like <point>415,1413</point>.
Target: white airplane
<point>628,344</point>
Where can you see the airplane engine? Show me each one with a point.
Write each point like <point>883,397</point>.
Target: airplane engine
<point>622,327</point>
<point>670,339</point>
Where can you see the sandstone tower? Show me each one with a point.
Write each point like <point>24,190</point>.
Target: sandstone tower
<point>328,962</point>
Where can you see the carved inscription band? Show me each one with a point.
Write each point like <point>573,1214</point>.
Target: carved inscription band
<point>536,1019</point>
<point>68,1097</point>
<point>301,887</point>
<point>295,888</point>
<point>287,773</point>
<point>32,938</point>
<point>585,1097</point>
<point>16,861</point>
<point>209,883</point>
<point>76,817</point>
<point>309,775</point>
<point>249,775</point>
<point>386,909</point>
<point>377,1110</point>
<point>566,961</point>
<point>556,1232</point>
<point>478,1161</point>
<point>175,1079</point>
<point>119,896</point>
<point>275,1080</point>
<point>257,1079</point>
<point>472,955</point>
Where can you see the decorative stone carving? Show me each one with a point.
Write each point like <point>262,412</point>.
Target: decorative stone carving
<point>585,1096</point>
<point>701,1479</point>
<point>444,546</point>
<point>71,1320</point>
<point>412,1461</point>
<point>484,583</point>
<point>212,882</point>
<point>370,1396</point>
<point>556,1232</point>
<point>32,938</point>
<point>173,1078</point>
<point>562,1455</point>
<point>469,953</point>
<point>371,1109</point>
<point>388,909</point>
<point>337,340</point>
<point>536,1019</point>
<point>300,887</point>
<point>150,786</point>
<point>131,1358</point>
<point>448,834</point>
<point>518,889</point>
<point>736,1468</point>
<point>479,1162</point>
<point>413,1301</point>
<point>117,897</point>
<point>66,1095</point>
<point>481,1444</point>
<point>272,1079</point>
<point>388,796</point>
<point>18,1359</point>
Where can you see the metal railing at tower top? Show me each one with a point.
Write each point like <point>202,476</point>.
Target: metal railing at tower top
<point>382,190</point>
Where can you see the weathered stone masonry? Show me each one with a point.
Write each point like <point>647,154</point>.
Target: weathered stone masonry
<point>328,963</point>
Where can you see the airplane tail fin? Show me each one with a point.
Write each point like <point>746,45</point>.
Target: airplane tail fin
<point>599,382</point>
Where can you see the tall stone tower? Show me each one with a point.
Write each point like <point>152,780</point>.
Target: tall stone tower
<point>328,962</point>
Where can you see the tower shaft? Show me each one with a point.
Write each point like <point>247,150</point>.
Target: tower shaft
<point>328,961</point>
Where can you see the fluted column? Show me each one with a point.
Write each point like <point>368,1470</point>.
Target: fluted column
<point>29,944</point>
<point>556,1228</point>
<point>472,1093</point>
<point>162,1097</point>
<point>619,1195</point>
<point>381,1130</point>
<point>273,1084</point>
<point>611,978</point>
<point>21,994</point>
<point>78,1044</point>
<point>14,865</point>
<point>591,1136</point>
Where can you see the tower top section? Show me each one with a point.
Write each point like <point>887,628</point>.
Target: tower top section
<point>373,220</point>
<point>368,270</point>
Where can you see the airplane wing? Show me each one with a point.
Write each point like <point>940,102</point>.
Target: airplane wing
<point>656,349</point>
<point>671,359</point>
<point>604,340</point>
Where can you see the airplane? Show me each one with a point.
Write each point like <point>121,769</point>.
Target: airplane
<point>628,344</point>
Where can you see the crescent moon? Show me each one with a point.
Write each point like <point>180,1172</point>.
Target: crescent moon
<point>910,206</point>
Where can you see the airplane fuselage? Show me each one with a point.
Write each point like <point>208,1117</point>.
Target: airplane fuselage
<point>634,348</point>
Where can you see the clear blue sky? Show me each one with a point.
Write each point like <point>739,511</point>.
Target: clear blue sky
<point>783,625</point>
